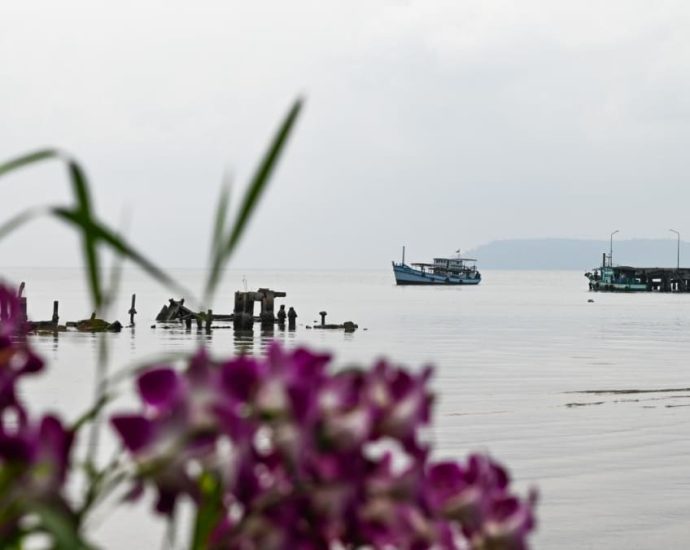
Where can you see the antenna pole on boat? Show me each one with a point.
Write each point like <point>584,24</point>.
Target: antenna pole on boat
<point>403,258</point>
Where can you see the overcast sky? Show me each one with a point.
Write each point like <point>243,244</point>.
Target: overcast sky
<point>435,124</point>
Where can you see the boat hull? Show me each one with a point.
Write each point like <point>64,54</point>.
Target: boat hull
<point>617,287</point>
<point>406,275</point>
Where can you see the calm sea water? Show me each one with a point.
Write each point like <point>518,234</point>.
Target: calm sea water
<point>515,359</point>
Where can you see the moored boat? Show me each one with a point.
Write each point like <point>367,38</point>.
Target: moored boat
<point>442,271</point>
<point>615,278</point>
<point>624,278</point>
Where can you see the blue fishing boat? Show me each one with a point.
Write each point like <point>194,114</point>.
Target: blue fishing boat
<point>443,271</point>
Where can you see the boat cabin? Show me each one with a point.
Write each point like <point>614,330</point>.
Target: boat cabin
<point>442,266</point>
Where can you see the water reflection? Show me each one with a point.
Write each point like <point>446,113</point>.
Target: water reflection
<point>244,341</point>
<point>181,337</point>
<point>267,336</point>
<point>251,342</point>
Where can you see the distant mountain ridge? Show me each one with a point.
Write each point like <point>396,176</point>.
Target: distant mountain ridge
<point>554,254</point>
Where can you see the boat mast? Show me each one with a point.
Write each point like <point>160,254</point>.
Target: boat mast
<point>403,258</point>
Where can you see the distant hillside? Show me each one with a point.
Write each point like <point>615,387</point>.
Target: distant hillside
<point>576,253</point>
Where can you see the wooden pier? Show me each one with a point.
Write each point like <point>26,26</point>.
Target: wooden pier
<point>658,279</point>
<point>242,317</point>
<point>624,278</point>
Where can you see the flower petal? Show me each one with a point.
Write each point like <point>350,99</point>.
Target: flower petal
<point>160,388</point>
<point>135,431</point>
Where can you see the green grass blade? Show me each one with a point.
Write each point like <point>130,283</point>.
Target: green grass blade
<point>221,218</point>
<point>89,245</point>
<point>219,225</point>
<point>91,414</point>
<point>80,189</point>
<point>25,160</point>
<point>252,196</point>
<point>261,177</point>
<point>120,245</point>
<point>80,186</point>
<point>20,219</point>
<point>64,530</point>
<point>208,511</point>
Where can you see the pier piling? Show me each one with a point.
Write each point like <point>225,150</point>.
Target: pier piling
<point>132,312</point>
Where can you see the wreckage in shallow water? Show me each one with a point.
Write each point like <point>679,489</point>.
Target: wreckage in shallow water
<point>243,317</point>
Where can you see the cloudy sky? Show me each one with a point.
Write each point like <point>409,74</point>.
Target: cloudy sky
<point>435,124</point>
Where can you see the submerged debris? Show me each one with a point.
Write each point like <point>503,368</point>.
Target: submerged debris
<point>348,326</point>
<point>96,325</point>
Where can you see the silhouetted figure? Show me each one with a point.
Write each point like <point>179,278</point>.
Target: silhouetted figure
<point>281,315</point>
<point>292,316</point>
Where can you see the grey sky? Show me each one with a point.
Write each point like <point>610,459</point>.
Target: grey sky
<point>436,124</point>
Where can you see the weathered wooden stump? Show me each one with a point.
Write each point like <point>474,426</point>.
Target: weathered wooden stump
<point>243,314</point>
<point>292,318</point>
<point>132,312</point>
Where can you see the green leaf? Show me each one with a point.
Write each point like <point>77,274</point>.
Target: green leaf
<point>92,231</point>
<point>92,413</point>
<point>252,196</point>
<point>20,219</point>
<point>118,244</point>
<point>64,529</point>
<point>25,160</point>
<point>218,231</point>
<point>81,194</point>
<point>89,245</point>
<point>80,186</point>
<point>221,217</point>
<point>208,511</point>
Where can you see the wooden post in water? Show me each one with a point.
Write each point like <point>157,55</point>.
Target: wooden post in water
<point>267,301</point>
<point>209,320</point>
<point>243,314</point>
<point>132,312</point>
<point>56,317</point>
<point>22,303</point>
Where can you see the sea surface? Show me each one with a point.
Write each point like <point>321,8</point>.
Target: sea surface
<point>587,401</point>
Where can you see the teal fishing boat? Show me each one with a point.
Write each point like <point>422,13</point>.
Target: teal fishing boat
<point>618,278</point>
<point>442,271</point>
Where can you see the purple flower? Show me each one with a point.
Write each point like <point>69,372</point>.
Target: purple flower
<point>16,357</point>
<point>161,388</point>
<point>177,427</point>
<point>34,455</point>
<point>34,462</point>
<point>302,458</point>
<point>477,497</point>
